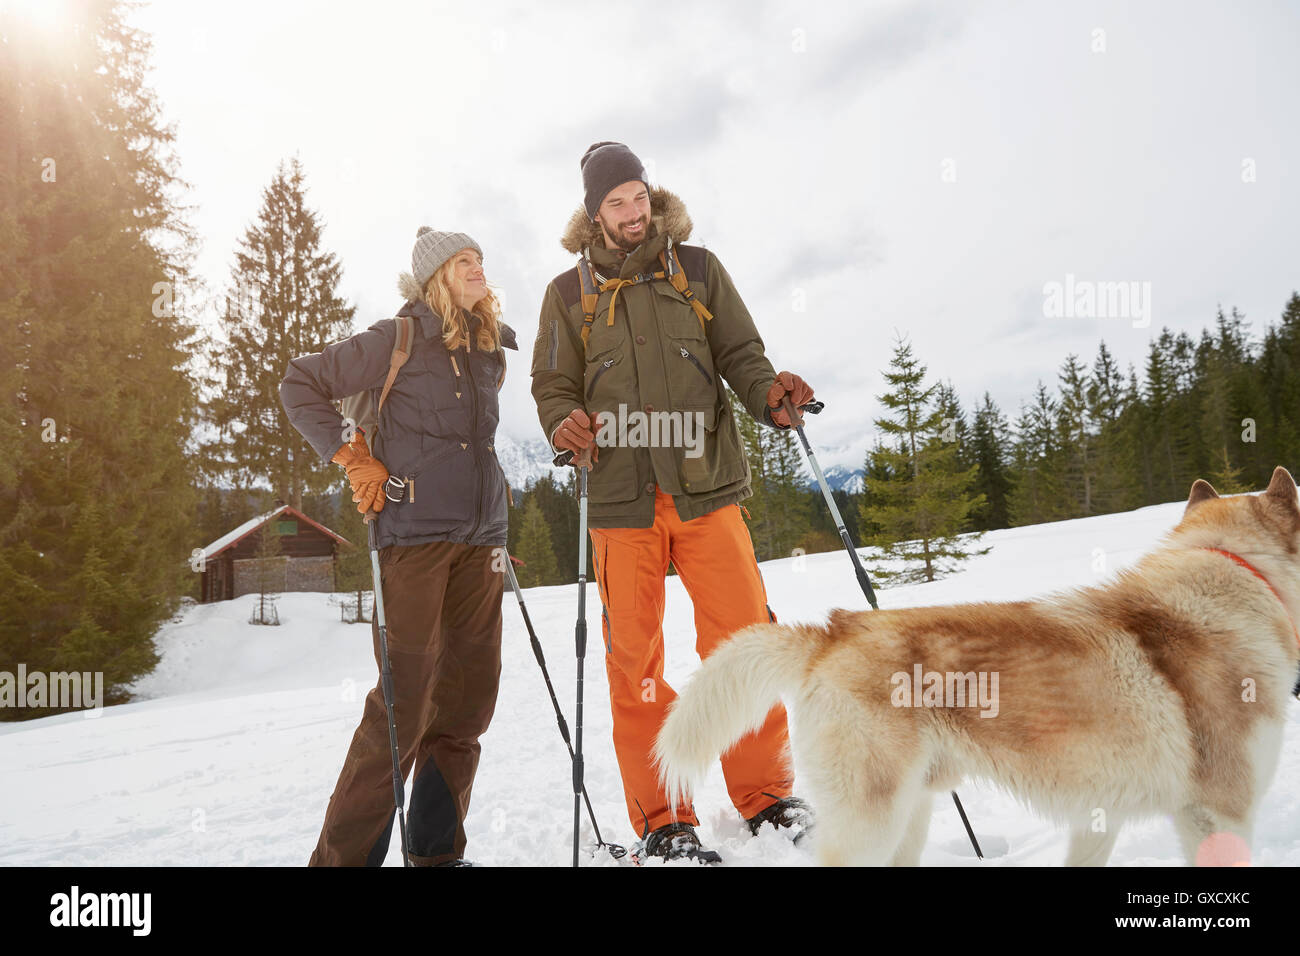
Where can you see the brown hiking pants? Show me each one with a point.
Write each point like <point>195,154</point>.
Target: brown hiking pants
<point>442,606</point>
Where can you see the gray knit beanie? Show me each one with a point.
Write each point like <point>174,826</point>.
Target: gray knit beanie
<point>432,249</point>
<point>604,166</point>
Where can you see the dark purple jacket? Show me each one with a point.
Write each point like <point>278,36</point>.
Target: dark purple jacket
<point>437,427</point>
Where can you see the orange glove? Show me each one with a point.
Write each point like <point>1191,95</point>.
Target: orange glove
<point>575,434</point>
<point>787,383</point>
<point>366,473</point>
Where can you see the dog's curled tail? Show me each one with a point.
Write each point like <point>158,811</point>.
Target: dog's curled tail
<point>728,697</point>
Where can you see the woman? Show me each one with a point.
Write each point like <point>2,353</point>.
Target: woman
<point>440,497</point>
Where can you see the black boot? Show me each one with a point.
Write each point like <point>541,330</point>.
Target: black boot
<point>789,813</point>
<point>677,841</point>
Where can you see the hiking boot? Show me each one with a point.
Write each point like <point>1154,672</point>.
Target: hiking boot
<point>788,813</point>
<point>677,841</point>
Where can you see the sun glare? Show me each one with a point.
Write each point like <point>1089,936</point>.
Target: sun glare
<point>45,16</point>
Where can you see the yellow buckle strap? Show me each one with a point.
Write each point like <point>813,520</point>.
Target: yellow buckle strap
<point>679,282</point>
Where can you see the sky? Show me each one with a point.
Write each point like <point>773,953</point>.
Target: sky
<point>863,171</point>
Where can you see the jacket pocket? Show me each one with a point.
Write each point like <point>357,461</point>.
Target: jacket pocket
<point>715,457</point>
<point>613,478</point>
<point>691,377</point>
<point>676,316</point>
<point>597,369</point>
<point>441,490</point>
<point>617,572</point>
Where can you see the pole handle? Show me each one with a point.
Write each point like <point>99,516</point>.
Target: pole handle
<point>566,457</point>
<point>812,408</point>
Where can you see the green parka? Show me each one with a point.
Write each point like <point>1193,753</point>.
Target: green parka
<point>657,356</point>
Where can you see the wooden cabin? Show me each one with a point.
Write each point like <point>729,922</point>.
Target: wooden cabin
<point>310,552</point>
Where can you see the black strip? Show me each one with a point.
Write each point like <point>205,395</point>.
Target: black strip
<point>569,286</point>
<point>694,261</point>
<point>380,850</point>
<point>432,819</point>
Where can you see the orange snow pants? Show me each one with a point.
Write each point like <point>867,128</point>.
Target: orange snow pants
<point>714,557</point>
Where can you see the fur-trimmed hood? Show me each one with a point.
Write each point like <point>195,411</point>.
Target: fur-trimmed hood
<point>667,214</point>
<point>409,288</point>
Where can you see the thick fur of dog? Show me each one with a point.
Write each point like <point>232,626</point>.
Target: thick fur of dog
<point>1163,692</point>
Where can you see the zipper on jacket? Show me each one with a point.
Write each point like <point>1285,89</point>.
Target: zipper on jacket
<point>456,368</point>
<point>604,366</point>
<point>609,632</point>
<point>696,362</point>
<point>478,465</point>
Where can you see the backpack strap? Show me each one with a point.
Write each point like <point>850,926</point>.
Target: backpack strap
<point>672,271</point>
<point>677,277</point>
<point>590,294</point>
<point>402,345</point>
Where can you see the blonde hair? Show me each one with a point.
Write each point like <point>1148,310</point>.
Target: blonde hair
<point>455,329</point>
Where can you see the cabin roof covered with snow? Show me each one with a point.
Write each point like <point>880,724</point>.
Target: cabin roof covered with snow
<point>235,535</point>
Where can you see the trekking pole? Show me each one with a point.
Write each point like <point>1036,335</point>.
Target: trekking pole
<point>386,679</point>
<point>796,421</point>
<point>615,851</point>
<point>583,462</point>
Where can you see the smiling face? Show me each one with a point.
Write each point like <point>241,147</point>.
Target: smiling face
<point>466,280</point>
<point>624,215</point>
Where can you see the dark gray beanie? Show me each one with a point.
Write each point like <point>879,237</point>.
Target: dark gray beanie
<point>432,249</point>
<point>604,166</point>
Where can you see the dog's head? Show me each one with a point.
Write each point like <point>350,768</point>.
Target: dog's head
<point>1266,524</point>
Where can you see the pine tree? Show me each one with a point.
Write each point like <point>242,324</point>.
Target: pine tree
<point>1171,407</point>
<point>535,550</point>
<point>1074,428</point>
<point>559,508</point>
<point>990,435</point>
<point>926,506</point>
<point>954,427</point>
<point>1226,478</point>
<point>282,303</point>
<point>779,505</point>
<point>1277,427</point>
<point>96,492</point>
<point>1113,486</point>
<point>1036,491</point>
<point>1246,395</point>
<point>787,491</point>
<point>877,473</point>
<point>1133,438</point>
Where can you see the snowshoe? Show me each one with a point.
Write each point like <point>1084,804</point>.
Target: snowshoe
<point>788,813</point>
<point>675,841</point>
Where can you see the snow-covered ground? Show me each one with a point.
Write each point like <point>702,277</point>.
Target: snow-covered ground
<point>231,749</point>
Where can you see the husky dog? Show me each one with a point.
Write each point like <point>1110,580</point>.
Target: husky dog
<point>1162,692</point>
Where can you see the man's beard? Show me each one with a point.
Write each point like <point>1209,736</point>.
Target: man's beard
<point>628,243</point>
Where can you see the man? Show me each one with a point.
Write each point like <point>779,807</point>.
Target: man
<point>643,342</point>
